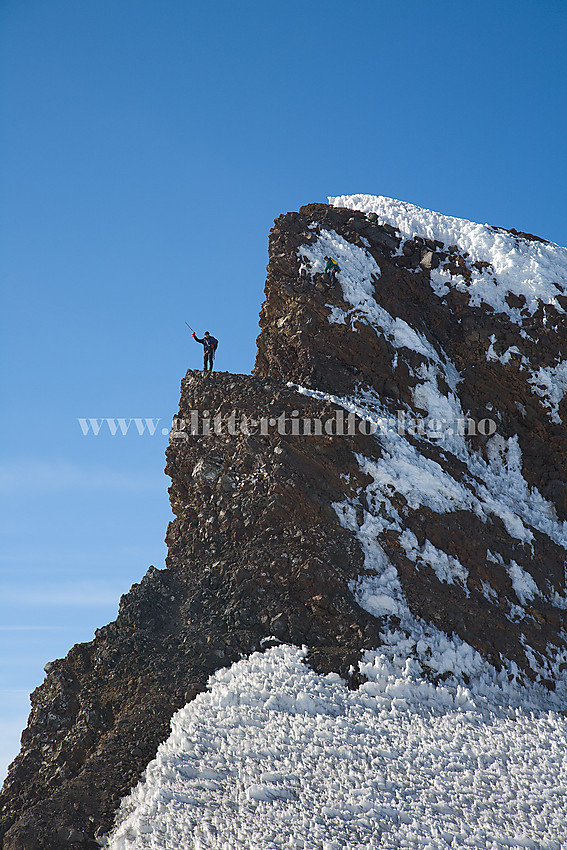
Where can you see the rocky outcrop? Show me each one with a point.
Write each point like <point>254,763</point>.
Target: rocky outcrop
<point>298,343</point>
<point>267,541</point>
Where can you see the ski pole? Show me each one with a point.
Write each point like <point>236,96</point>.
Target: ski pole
<point>189,326</point>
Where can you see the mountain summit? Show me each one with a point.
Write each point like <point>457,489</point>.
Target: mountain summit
<point>389,483</point>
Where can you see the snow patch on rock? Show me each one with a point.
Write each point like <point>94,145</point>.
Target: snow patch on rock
<point>550,384</point>
<point>536,270</point>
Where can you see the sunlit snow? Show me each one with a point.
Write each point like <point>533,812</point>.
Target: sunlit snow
<point>276,756</point>
<point>551,385</point>
<point>537,270</point>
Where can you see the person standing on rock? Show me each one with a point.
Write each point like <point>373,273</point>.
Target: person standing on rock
<point>209,344</point>
<point>331,268</point>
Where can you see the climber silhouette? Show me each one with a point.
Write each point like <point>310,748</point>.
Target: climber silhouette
<point>210,345</point>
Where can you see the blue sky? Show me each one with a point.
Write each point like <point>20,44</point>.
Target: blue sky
<point>146,147</point>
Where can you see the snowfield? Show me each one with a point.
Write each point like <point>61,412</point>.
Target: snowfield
<point>276,756</point>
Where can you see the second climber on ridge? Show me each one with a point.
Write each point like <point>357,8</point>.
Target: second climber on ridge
<point>209,344</point>
<point>331,268</point>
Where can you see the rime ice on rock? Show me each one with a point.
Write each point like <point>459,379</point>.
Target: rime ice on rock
<point>533,269</point>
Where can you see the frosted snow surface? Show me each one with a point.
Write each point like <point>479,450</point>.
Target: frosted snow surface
<point>551,385</point>
<point>536,270</point>
<point>275,756</point>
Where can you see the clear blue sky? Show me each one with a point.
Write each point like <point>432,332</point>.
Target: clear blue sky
<point>146,147</point>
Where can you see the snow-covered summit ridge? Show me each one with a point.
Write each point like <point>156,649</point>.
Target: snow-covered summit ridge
<point>530,267</point>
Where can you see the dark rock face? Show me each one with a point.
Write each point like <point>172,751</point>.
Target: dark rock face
<point>257,550</point>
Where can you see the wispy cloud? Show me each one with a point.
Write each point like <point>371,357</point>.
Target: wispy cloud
<point>30,628</point>
<point>10,731</point>
<point>87,557</point>
<point>50,476</point>
<point>86,595</point>
<point>15,693</point>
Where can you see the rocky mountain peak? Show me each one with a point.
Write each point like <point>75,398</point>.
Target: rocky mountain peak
<point>391,474</point>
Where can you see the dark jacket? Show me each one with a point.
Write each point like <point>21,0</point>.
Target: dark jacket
<point>209,343</point>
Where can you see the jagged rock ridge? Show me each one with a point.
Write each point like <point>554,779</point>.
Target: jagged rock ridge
<point>292,536</point>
